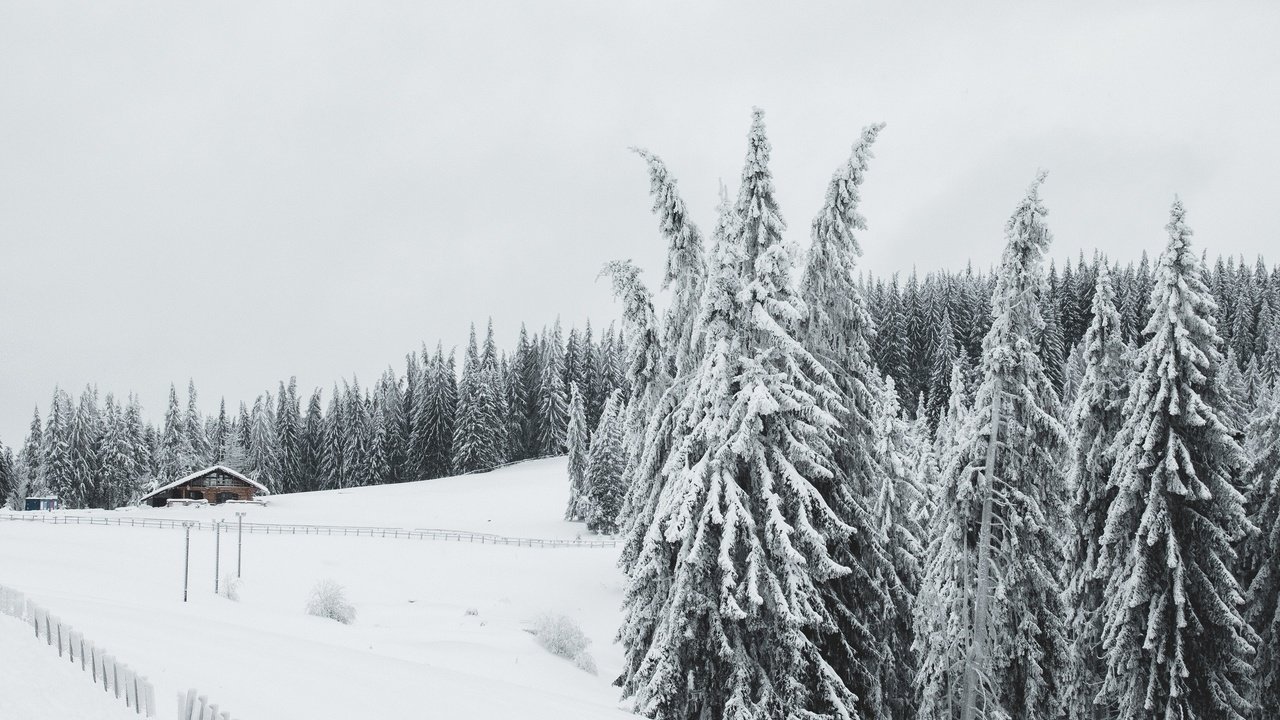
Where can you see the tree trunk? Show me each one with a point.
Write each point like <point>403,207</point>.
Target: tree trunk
<point>978,648</point>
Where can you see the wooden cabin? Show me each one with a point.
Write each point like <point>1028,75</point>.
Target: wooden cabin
<point>214,485</point>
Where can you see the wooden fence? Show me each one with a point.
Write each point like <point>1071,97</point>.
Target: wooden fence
<point>115,678</point>
<point>296,529</point>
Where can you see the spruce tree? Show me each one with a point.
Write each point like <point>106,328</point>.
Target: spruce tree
<point>311,458</point>
<point>858,646</point>
<point>193,426</point>
<point>989,617</point>
<point>604,490</point>
<point>685,272</point>
<point>31,456</point>
<point>748,529</point>
<point>1177,644</point>
<point>439,407</point>
<point>897,507</point>
<point>475,442</point>
<point>83,444</point>
<point>1263,599</point>
<point>578,440</point>
<point>553,401</point>
<point>1096,418</point>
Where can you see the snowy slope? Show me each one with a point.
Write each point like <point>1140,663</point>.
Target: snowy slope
<point>414,651</point>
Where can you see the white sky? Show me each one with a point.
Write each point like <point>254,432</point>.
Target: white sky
<point>241,191</point>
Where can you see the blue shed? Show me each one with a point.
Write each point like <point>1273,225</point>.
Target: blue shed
<point>43,503</point>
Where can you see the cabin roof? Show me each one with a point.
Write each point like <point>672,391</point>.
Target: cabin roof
<point>202,473</point>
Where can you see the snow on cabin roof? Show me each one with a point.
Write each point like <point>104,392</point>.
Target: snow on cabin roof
<point>200,473</point>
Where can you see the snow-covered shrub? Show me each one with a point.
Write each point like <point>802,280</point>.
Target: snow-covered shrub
<point>472,611</point>
<point>585,662</point>
<point>329,600</point>
<point>561,635</point>
<point>230,587</point>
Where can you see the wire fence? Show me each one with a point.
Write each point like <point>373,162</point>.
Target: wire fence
<point>260,528</point>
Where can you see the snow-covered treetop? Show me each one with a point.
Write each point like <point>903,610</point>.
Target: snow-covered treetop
<point>1015,305</point>
<point>837,313</point>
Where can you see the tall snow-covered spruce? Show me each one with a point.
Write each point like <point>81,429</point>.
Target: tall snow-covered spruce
<point>1178,646</point>
<point>1096,418</point>
<point>1264,589</point>
<point>576,437</point>
<point>740,514</point>
<point>865,651</point>
<point>989,616</point>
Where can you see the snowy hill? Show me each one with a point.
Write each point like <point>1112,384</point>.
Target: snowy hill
<point>442,629</point>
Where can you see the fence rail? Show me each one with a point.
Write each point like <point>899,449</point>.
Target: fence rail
<point>301,529</point>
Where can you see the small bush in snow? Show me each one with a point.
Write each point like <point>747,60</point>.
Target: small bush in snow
<point>472,611</point>
<point>561,636</point>
<point>329,600</point>
<point>230,587</point>
<point>585,662</point>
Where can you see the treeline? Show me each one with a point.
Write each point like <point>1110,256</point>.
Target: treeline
<point>1023,495</point>
<point>925,326</point>
<point>428,421</point>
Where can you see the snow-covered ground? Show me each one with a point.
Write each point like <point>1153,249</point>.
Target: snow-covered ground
<point>415,650</point>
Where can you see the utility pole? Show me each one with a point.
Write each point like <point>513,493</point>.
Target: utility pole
<point>239,539</point>
<point>217,555</point>
<point>186,561</point>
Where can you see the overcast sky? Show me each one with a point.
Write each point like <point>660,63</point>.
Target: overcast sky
<point>239,192</point>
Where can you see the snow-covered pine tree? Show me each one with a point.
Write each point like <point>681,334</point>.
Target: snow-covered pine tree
<point>1263,599</point>
<point>31,455</point>
<point>897,504</point>
<point>334,462</point>
<point>1177,644</point>
<point>1052,351</point>
<point>360,445</point>
<point>439,408</point>
<point>288,423</point>
<point>84,445</point>
<point>264,446</point>
<point>686,270</point>
<point>749,531</point>
<point>989,617</point>
<point>1074,374</point>
<point>175,444</point>
<point>311,459</point>
<point>943,354</point>
<point>1096,418</point>
<point>193,426</point>
<point>8,478</point>
<point>474,440</point>
<point>526,377</point>
<point>220,441</point>
<point>553,400</point>
<point>115,472</point>
<point>604,490</point>
<point>393,427</point>
<point>493,395</point>
<point>858,645</point>
<point>56,468</point>
<point>578,440</point>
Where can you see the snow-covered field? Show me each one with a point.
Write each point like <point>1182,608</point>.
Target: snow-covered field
<point>415,650</point>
